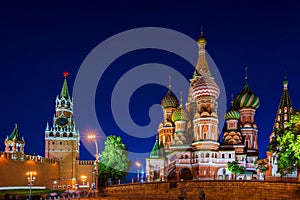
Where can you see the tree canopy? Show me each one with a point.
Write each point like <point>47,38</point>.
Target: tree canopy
<point>114,163</point>
<point>235,168</point>
<point>286,146</point>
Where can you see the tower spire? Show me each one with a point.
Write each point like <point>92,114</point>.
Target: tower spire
<point>65,90</point>
<point>285,81</point>
<point>246,73</point>
<point>170,82</point>
<point>201,33</point>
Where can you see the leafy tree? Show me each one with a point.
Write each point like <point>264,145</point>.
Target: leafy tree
<point>287,146</point>
<point>235,168</point>
<point>114,163</point>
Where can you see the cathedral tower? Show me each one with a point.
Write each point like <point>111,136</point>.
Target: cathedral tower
<point>284,112</point>
<point>204,92</point>
<point>247,102</point>
<point>62,138</point>
<point>166,128</point>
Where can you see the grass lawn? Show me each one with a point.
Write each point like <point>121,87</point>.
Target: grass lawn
<point>24,192</point>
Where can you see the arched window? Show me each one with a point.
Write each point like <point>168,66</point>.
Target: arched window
<point>70,134</point>
<point>51,134</point>
<point>57,134</point>
<point>65,134</point>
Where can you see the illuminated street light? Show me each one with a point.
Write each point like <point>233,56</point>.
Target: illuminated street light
<point>30,179</point>
<point>92,137</point>
<point>138,164</point>
<point>83,179</point>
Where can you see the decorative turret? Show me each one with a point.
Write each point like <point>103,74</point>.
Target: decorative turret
<point>285,108</point>
<point>202,102</point>
<point>247,102</point>
<point>232,134</point>
<point>166,128</point>
<point>14,143</point>
<point>180,117</point>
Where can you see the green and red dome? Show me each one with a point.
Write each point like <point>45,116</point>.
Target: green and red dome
<point>170,100</point>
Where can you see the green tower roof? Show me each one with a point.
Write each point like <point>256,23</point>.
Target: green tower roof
<point>155,150</point>
<point>15,135</point>
<point>65,91</point>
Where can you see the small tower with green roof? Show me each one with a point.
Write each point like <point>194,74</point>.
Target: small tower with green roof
<point>14,142</point>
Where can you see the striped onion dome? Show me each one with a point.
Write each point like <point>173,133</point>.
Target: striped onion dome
<point>205,86</point>
<point>180,115</point>
<point>170,100</point>
<point>232,114</point>
<point>247,98</point>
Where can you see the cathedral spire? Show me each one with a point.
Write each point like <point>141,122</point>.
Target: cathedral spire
<point>202,67</point>
<point>285,108</point>
<point>65,90</point>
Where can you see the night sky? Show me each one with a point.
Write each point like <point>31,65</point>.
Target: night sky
<point>40,41</point>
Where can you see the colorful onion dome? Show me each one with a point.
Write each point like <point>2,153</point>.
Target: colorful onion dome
<point>232,114</point>
<point>205,86</point>
<point>170,100</point>
<point>180,115</point>
<point>246,98</point>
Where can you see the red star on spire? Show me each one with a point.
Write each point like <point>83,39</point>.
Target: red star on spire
<point>66,74</point>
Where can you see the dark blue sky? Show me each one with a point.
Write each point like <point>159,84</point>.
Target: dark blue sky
<point>41,40</point>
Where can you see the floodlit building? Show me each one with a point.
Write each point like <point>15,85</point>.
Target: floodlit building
<point>61,168</point>
<point>188,143</point>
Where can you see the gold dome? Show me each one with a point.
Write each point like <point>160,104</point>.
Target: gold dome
<point>201,40</point>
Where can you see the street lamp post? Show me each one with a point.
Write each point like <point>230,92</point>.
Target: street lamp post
<point>97,156</point>
<point>138,164</point>
<point>30,179</point>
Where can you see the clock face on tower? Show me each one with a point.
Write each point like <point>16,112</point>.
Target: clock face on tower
<point>61,121</point>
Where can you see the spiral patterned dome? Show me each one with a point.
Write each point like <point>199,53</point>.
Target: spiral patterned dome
<point>205,86</point>
<point>247,98</point>
<point>170,100</point>
<point>232,114</point>
<point>180,115</point>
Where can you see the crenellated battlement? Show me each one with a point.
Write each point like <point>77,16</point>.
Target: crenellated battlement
<point>24,157</point>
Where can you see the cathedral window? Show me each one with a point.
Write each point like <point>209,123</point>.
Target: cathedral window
<point>229,155</point>
<point>285,109</point>
<point>207,155</point>
<point>223,156</point>
<point>65,134</point>
<point>57,134</point>
<point>51,134</point>
<point>249,119</point>
<point>279,111</point>
<point>285,117</point>
<point>70,134</point>
<point>60,143</point>
<point>53,142</point>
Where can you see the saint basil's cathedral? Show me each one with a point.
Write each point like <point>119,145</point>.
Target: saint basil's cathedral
<point>188,143</point>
